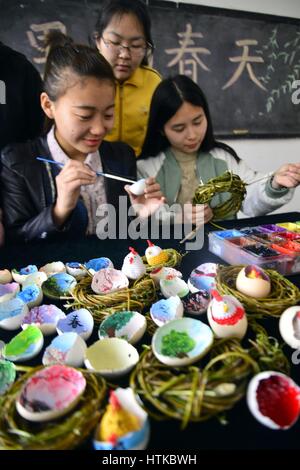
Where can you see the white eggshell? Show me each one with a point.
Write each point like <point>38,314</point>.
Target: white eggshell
<point>35,278</point>
<point>253,287</point>
<point>45,317</point>
<point>230,324</point>
<point>133,266</point>
<point>75,270</point>
<point>252,399</point>
<point>173,286</point>
<point>109,280</point>
<point>12,313</point>
<point>9,291</point>
<point>68,349</point>
<point>53,268</point>
<point>164,273</point>
<point>26,345</point>
<point>79,321</point>
<point>50,393</point>
<point>289,326</point>
<point>21,276</point>
<point>166,310</point>
<point>127,325</point>
<point>111,357</point>
<point>138,187</point>
<point>5,276</point>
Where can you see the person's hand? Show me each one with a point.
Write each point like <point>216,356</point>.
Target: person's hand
<point>73,175</point>
<point>287,176</point>
<point>198,214</point>
<point>147,203</point>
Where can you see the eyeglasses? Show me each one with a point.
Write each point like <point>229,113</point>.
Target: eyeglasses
<point>135,50</point>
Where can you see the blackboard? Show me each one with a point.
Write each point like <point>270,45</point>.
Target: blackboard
<point>248,64</point>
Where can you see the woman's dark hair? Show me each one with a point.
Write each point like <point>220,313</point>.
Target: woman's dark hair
<point>111,8</point>
<point>168,97</point>
<point>66,60</point>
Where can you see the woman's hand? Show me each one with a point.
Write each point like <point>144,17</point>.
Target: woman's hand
<point>147,203</point>
<point>73,175</point>
<point>287,176</point>
<point>198,214</point>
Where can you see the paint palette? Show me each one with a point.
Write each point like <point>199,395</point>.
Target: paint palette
<point>271,246</point>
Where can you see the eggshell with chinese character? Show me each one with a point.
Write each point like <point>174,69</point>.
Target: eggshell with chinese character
<point>79,321</point>
<point>254,282</point>
<point>289,326</point>
<point>226,316</point>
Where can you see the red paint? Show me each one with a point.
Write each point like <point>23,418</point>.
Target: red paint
<point>150,243</point>
<point>232,320</point>
<point>215,294</point>
<point>279,400</point>
<point>113,400</point>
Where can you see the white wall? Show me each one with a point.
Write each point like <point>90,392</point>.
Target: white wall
<point>264,154</point>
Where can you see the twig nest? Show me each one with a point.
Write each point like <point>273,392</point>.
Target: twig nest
<point>164,273</point>
<point>155,255</point>
<point>59,285</point>
<point>173,286</point>
<point>138,188</point>
<point>5,276</point>
<point>24,345</point>
<point>21,275</point>
<point>35,278</point>
<point>124,425</point>
<point>79,321</point>
<point>166,310</point>
<point>96,264</point>
<point>9,291</point>
<point>226,316</point>
<point>127,325</point>
<point>12,313</point>
<point>203,277</point>
<point>44,317</point>
<point>111,357</point>
<point>109,280</point>
<point>274,399</point>
<point>53,268</point>
<point>182,342</point>
<point>50,393</point>
<point>289,326</point>
<point>7,375</point>
<point>31,295</point>
<point>76,270</point>
<point>68,349</point>
<point>253,281</point>
<point>133,266</point>
<point>196,303</point>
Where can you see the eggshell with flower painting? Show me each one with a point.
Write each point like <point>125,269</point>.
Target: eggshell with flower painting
<point>226,316</point>
<point>253,281</point>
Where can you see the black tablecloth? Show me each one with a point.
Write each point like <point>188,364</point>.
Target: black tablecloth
<point>242,430</point>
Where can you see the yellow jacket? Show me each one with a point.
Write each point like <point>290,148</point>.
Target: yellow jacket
<point>132,105</point>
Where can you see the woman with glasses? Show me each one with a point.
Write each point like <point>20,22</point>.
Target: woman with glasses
<point>123,36</point>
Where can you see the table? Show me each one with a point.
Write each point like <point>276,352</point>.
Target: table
<point>242,430</point>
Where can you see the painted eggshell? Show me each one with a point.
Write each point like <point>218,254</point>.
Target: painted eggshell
<point>182,342</point>
<point>31,295</point>
<point>12,313</point>
<point>173,286</point>
<point>227,316</point>
<point>274,399</point>
<point>76,270</point>
<point>50,393</point>
<point>133,266</point>
<point>164,273</point>
<point>21,275</point>
<point>203,277</point>
<point>138,187</point>
<point>35,278</point>
<point>96,264</point>
<point>68,349</point>
<point>196,303</point>
<point>24,345</point>
<point>7,375</point>
<point>254,282</point>
<point>289,326</point>
<point>79,321</point>
<point>127,325</point>
<point>111,357</point>
<point>155,255</point>
<point>109,280</point>
<point>124,424</point>
<point>53,268</point>
<point>166,310</point>
<point>45,317</point>
<point>59,285</point>
<point>5,276</point>
<point>9,291</point>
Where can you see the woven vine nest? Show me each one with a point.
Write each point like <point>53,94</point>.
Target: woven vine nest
<point>140,295</point>
<point>226,183</point>
<point>200,392</point>
<point>67,432</point>
<point>283,294</point>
